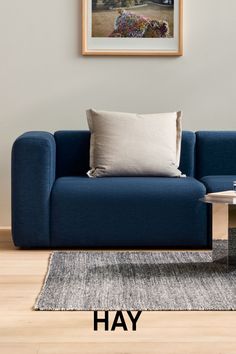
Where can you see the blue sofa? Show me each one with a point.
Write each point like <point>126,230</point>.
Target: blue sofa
<point>55,204</point>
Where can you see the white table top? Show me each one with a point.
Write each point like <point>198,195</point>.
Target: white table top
<point>214,200</point>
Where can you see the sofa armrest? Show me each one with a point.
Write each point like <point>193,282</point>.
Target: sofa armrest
<point>33,175</point>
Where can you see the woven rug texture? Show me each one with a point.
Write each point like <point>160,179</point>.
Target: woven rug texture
<point>138,280</point>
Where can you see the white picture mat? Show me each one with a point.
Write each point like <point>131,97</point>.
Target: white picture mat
<point>133,44</point>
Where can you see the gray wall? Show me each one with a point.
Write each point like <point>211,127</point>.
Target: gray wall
<point>46,85</point>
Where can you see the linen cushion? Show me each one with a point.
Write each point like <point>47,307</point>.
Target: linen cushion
<point>129,144</point>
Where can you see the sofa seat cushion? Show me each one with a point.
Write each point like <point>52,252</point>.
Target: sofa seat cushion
<point>218,183</point>
<point>134,212</point>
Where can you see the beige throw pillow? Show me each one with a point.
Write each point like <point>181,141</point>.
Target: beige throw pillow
<point>127,144</point>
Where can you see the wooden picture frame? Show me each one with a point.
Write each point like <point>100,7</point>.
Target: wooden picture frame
<point>106,45</point>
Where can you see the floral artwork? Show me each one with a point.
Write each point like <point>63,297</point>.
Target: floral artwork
<point>118,25</point>
<point>129,25</point>
<point>145,19</point>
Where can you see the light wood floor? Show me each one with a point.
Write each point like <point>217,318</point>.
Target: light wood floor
<point>24,331</point>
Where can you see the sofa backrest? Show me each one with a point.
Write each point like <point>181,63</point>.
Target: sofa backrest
<point>73,153</point>
<point>187,157</point>
<point>215,153</point>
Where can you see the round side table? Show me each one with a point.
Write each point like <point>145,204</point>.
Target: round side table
<point>231,237</point>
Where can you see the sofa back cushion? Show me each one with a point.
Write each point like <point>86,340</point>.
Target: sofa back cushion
<point>73,153</point>
<point>215,153</point>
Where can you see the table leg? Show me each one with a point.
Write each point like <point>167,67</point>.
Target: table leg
<point>231,237</point>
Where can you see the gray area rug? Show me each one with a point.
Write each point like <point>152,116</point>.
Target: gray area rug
<point>151,280</point>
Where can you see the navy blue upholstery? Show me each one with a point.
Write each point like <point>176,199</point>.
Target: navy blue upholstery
<point>73,153</point>
<point>218,183</point>
<point>128,212</point>
<point>33,175</point>
<point>216,153</point>
<point>54,203</point>
<point>187,160</point>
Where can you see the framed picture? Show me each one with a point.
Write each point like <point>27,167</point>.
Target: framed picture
<point>132,27</point>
